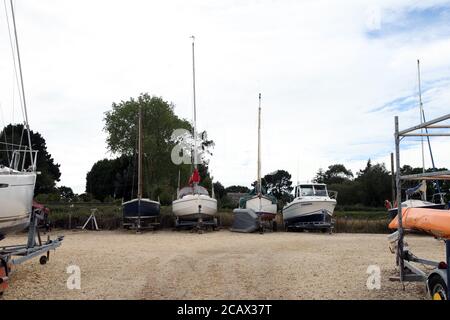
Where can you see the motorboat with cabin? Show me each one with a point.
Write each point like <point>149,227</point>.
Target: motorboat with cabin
<point>312,208</point>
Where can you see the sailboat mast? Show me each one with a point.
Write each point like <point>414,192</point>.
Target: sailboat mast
<point>259,190</point>
<point>195,103</point>
<point>22,89</point>
<point>421,114</point>
<point>140,142</point>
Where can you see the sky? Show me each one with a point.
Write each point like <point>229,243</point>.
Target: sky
<point>332,74</point>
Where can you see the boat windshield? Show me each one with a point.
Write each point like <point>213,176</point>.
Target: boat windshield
<point>320,190</point>
<point>306,191</point>
<point>313,190</point>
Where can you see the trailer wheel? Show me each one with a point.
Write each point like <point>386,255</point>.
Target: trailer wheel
<point>438,288</point>
<point>43,260</point>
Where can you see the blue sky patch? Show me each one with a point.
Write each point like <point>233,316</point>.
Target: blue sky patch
<point>413,20</point>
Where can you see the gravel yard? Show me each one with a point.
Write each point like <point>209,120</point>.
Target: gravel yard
<point>217,265</point>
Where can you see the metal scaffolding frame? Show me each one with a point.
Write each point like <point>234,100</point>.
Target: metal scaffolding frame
<point>403,257</point>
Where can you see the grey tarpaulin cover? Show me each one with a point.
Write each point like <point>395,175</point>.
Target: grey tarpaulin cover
<point>245,220</point>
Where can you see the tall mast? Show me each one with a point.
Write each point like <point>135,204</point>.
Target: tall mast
<point>422,120</point>
<point>421,114</point>
<point>424,196</point>
<point>22,89</point>
<point>259,187</point>
<point>140,142</point>
<point>195,103</point>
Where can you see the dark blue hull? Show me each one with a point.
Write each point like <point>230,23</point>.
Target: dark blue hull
<point>143,209</point>
<point>316,221</point>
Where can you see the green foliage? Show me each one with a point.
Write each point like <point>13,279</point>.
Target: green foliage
<point>374,184</point>
<point>279,185</point>
<point>336,174</point>
<point>111,178</point>
<point>66,194</point>
<point>371,187</point>
<point>49,170</point>
<point>117,178</point>
<point>219,190</point>
<point>237,189</point>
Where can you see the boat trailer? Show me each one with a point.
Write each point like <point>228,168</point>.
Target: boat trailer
<point>14,255</point>
<point>324,226</point>
<point>200,225</point>
<point>437,281</point>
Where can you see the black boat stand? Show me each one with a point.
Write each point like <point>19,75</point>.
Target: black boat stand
<point>16,254</point>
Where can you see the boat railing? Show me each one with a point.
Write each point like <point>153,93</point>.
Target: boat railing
<point>333,194</point>
<point>18,159</point>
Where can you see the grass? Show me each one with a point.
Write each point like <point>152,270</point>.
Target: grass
<point>109,217</point>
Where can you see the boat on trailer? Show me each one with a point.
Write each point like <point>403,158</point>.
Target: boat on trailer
<point>140,213</point>
<point>257,210</point>
<point>194,203</point>
<point>312,208</point>
<point>194,207</point>
<point>16,199</point>
<point>17,183</point>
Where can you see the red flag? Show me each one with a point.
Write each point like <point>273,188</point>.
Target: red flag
<point>195,178</point>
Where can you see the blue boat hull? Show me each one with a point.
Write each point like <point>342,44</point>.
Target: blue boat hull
<point>143,209</point>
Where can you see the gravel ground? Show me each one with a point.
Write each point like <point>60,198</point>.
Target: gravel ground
<point>219,265</point>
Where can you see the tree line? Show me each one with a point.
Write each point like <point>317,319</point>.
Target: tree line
<point>115,179</point>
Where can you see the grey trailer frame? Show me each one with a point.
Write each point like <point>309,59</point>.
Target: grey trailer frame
<point>405,258</point>
<point>17,254</point>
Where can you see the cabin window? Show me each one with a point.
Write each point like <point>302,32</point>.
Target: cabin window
<point>307,191</point>
<point>320,191</point>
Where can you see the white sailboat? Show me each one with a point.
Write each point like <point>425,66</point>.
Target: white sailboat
<point>193,202</point>
<point>257,210</point>
<point>261,203</point>
<point>17,180</point>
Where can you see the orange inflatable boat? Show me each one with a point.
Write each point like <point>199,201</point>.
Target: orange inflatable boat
<point>435,222</point>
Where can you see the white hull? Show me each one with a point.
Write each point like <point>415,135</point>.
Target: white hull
<point>308,206</point>
<point>16,200</point>
<point>261,205</point>
<point>194,206</point>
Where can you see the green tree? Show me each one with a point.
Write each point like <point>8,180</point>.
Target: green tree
<point>237,189</point>
<point>159,123</point>
<point>279,185</point>
<point>336,173</point>
<point>15,135</point>
<point>66,193</point>
<point>374,184</point>
<point>111,178</point>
